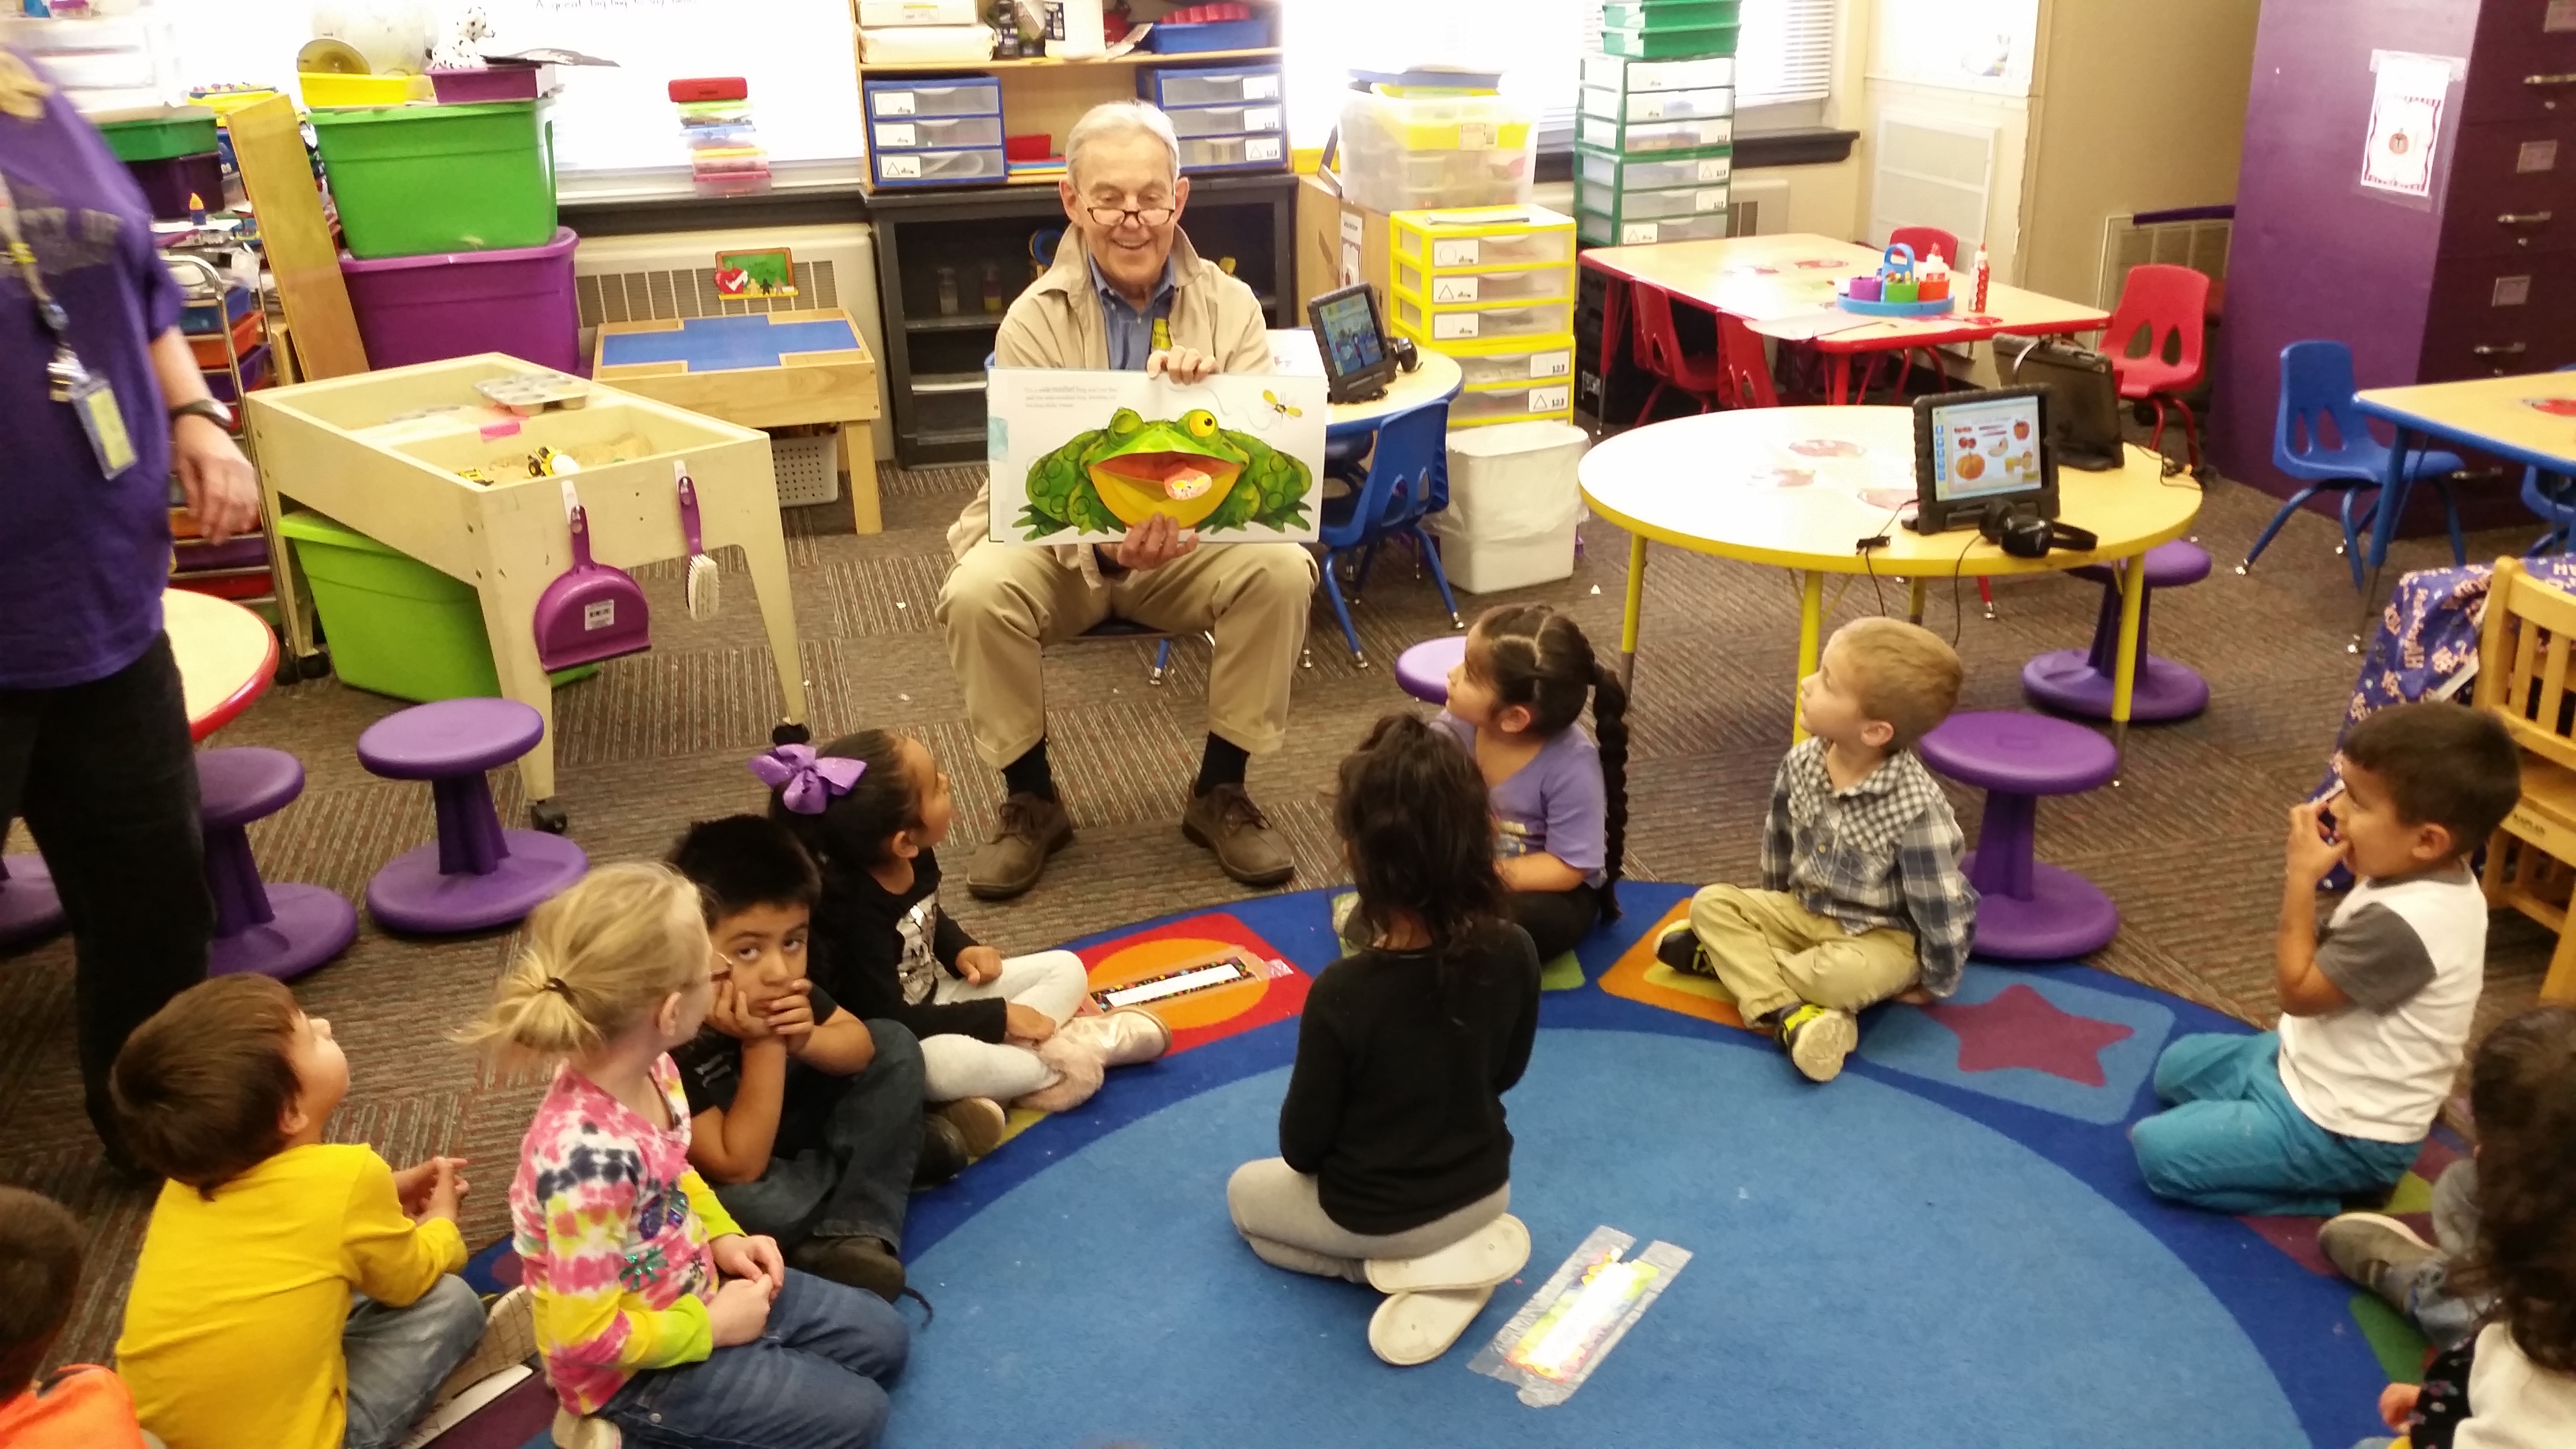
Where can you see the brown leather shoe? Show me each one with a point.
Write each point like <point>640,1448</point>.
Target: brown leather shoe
<point>1032,828</point>
<point>1227,822</point>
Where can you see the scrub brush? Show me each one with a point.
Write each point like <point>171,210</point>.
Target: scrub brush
<point>703,573</point>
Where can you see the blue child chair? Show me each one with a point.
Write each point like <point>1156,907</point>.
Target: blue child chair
<point>2551,497</point>
<point>1408,481</point>
<point>2316,397</point>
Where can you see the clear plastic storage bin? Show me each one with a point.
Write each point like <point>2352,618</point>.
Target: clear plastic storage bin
<point>1597,228</point>
<point>1625,206</point>
<point>1400,154</point>
<point>934,98</point>
<point>1620,74</point>
<point>1550,360</point>
<point>936,133</point>
<point>1631,173</point>
<point>938,168</point>
<point>1225,120</point>
<point>1212,87</point>
<point>1435,323</point>
<point>1609,105</point>
<point>1234,153</point>
<point>1545,284</point>
<point>1505,404</point>
<point>1631,138</point>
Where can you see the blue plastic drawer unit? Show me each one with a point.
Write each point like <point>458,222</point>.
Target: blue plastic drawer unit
<point>935,131</point>
<point>1229,118</point>
<point>1176,87</point>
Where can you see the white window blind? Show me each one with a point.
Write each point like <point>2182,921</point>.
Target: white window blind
<point>1785,52</point>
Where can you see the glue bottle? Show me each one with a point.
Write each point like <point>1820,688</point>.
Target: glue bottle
<point>1934,283</point>
<point>1983,272</point>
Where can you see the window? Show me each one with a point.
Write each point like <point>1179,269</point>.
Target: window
<point>1785,53</point>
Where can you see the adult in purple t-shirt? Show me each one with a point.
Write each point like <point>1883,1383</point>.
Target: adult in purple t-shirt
<point>94,748</point>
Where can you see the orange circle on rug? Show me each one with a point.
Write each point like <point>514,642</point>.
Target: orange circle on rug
<point>1161,957</point>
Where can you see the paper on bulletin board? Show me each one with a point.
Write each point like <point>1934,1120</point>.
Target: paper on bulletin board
<point>2405,122</point>
<point>1081,457</point>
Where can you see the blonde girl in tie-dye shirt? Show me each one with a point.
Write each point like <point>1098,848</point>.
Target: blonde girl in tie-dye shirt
<point>653,1309</point>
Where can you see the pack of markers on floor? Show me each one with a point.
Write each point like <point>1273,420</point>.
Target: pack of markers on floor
<point>725,157</point>
<point>1560,1336</point>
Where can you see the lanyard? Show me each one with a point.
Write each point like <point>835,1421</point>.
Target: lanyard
<point>64,371</point>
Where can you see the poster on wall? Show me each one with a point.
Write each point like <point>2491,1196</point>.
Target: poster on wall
<point>2405,122</point>
<point>1081,457</point>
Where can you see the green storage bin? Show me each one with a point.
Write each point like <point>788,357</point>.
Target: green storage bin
<point>1595,229</point>
<point>1612,211</point>
<point>1661,15</point>
<point>1628,77</point>
<point>181,131</point>
<point>396,625</point>
<point>1656,171</point>
<point>415,181</point>
<point>1706,40</point>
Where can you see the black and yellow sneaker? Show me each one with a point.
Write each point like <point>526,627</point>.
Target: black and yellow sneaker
<point>1817,1039</point>
<point>1680,949</point>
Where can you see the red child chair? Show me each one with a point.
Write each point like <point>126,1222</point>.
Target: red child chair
<point>2170,305</point>
<point>1659,351</point>
<point>1744,369</point>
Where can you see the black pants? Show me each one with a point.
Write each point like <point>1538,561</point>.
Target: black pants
<point>106,778</point>
<point>1556,920</point>
<point>842,1163</point>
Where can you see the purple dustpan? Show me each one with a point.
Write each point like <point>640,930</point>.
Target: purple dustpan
<point>593,611</point>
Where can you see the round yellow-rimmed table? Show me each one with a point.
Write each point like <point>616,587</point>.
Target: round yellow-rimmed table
<point>1436,380</point>
<point>1798,488</point>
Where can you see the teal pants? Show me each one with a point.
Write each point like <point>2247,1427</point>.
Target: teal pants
<point>2232,1141</point>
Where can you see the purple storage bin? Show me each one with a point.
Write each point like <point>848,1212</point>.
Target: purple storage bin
<point>469,85</point>
<point>167,183</point>
<point>1209,35</point>
<point>456,304</point>
<point>254,375</point>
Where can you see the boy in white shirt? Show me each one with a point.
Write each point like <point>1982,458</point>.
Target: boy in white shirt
<point>2376,1007</point>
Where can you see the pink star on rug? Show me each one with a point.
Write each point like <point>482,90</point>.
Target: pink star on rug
<point>2021,1028</point>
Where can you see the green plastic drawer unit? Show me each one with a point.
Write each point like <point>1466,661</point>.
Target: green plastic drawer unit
<point>1662,171</point>
<point>396,625</point>
<point>1595,228</point>
<point>1631,138</point>
<point>422,180</point>
<point>1605,104</point>
<point>1669,44</point>
<point>1661,15</point>
<point>1623,207</point>
<point>180,131</point>
<point>1618,73</point>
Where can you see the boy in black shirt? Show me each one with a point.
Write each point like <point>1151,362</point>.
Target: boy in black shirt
<point>805,1120</point>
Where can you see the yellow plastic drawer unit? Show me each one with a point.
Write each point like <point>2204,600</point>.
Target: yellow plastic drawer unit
<point>1433,323</point>
<point>1609,105</point>
<point>1543,284</point>
<point>1512,360</point>
<point>1512,402</point>
<point>1707,226</point>
<point>1480,238</point>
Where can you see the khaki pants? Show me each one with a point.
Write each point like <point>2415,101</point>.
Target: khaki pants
<point>1004,603</point>
<point>1280,1213</point>
<point>1772,952</point>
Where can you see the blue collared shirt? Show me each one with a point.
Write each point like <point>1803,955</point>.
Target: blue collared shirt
<point>1131,333</point>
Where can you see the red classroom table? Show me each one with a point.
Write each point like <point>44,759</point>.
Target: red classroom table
<point>1783,287</point>
<point>226,656</point>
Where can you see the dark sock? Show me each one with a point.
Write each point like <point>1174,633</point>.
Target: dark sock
<point>1223,764</point>
<point>1029,774</point>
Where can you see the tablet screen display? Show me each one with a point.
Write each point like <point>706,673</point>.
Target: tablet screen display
<point>1989,448</point>
<point>1346,326</point>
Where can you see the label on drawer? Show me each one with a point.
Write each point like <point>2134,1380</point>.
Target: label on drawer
<point>1475,136</point>
<point>1714,168</point>
<point>1261,88</point>
<point>899,168</point>
<point>1648,107</point>
<point>1446,327</point>
<point>1453,289</point>
<point>1551,364</point>
<point>2536,156</point>
<point>2510,292</point>
<point>894,103</point>
<point>1261,118</point>
<point>1638,233</point>
<point>899,135</point>
<point>1354,228</point>
<point>1456,253</point>
<point>1547,399</point>
<point>1710,200</point>
<point>1261,148</point>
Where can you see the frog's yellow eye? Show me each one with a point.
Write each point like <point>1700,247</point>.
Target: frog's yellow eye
<point>1200,422</point>
<point>1125,421</point>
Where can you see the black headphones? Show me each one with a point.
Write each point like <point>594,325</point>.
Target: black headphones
<point>2022,533</point>
<point>1407,356</point>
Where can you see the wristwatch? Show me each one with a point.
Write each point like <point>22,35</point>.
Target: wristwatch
<point>211,409</point>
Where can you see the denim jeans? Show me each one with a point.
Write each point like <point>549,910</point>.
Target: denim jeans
<point>2234,1142</point>
<point>856,1180</point>
<point>812,1380</point>
<point>399,1356</point>
<point>2445,1318</point>
<point>106,778</point>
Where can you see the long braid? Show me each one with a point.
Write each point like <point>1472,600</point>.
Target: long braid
<point>1610,732</point>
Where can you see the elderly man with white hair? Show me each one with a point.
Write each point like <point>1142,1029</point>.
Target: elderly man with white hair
<point>1127,291</point>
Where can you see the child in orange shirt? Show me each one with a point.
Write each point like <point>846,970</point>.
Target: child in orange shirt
<point>78,1406</point>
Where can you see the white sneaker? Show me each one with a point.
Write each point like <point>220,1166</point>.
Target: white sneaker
<point>1412,1328</point>
<point>1123,1037</point>
<point>1489,1255</point>
<point>581,1433</point>
<point>509,1337</point>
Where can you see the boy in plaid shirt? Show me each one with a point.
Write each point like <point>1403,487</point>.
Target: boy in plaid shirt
<point>1861,895</point>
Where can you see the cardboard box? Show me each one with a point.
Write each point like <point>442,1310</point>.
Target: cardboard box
<point>1338,243</point>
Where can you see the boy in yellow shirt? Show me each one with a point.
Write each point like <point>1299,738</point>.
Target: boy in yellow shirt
<point>291,1291</point>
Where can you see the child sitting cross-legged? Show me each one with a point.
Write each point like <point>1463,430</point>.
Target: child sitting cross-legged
<point>291,1291</point>
<point>2375,1008</point>
<point>873,809</point>
<point>654,1310</point>
<point>805,1119</point>
<point>1861,896</point>
<point>78,1406</point>
<point>1394,1165</point>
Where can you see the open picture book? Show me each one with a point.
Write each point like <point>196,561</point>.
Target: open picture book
<point>1081,457</point>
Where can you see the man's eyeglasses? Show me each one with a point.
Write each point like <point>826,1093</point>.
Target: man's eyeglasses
<point>1120,215</point>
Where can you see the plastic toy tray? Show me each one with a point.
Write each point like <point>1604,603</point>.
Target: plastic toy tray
<point>1939,307</point>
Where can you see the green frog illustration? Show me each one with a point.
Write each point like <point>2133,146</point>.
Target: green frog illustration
<point>1201,475</point>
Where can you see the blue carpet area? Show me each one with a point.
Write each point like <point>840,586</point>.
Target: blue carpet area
<point>1948,1245</point>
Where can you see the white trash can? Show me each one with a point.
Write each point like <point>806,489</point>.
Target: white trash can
<point>1513,505</point>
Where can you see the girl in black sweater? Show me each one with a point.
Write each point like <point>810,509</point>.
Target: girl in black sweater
<point>1394,1165</point>
<point>872,809</point>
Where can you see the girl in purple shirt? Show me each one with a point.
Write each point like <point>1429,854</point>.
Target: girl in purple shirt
<point>1560,801</point>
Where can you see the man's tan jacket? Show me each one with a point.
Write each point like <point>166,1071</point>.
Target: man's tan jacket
<point>1057,323</point>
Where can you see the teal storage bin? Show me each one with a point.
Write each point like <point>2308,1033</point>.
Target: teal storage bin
<point>396,625</point>
<point>415,181</point>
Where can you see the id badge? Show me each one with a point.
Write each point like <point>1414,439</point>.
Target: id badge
<point>104,421</point>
